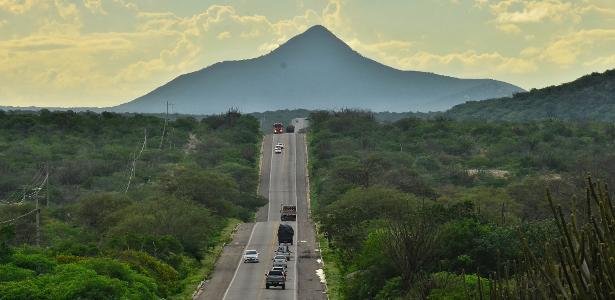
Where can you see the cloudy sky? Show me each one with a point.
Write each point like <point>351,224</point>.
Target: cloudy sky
<point>105,52</point>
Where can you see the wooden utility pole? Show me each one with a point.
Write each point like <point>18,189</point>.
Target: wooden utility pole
<point>38,224</point>
<point>47,185</point>
<point>164,128</point>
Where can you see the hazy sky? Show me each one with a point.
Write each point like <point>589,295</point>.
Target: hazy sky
<point>105,52</point>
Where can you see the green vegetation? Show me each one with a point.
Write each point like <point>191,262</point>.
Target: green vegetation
<point>285,116</point>
<point>591,97</point>
<point>268,118</point>
<point>436,208</point>
<point>578,261</point>
<point>128,211</point>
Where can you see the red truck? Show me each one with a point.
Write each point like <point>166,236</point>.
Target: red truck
<point>278,128</point>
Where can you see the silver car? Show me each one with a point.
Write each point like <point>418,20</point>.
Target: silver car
<point>279,264</point>
<point>250,256</point>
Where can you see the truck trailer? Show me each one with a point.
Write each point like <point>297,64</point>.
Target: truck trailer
<point>288,212</point>
<point>285,234</point>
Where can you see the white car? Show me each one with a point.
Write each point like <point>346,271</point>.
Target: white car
<point>280,263</point>
<point>250,256</point>
<point>279,145</point>
<point>277,150</point>
<point>280,257</point>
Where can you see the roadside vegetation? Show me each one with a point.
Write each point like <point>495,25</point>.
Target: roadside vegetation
<point>589,98</point>
<point>134,207</point>
<point>445,209</point>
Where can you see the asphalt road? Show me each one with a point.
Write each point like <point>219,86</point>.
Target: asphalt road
<point>248,282</point>
<point>283,180</point>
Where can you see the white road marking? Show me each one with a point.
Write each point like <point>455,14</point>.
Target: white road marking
<point>269,188</point>
<point>240,261</point>
<point>297,233</point>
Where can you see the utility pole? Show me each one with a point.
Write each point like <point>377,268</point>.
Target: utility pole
<point>164,128</point>
<point>47,185</point>
<point>38,224</point>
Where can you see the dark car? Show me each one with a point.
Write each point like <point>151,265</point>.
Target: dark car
<point>275,278</point>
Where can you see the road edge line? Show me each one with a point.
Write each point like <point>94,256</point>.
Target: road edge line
<point>240,261</point>
<point>269,188</point>
<point>309,201</point>
<point>298,222</point>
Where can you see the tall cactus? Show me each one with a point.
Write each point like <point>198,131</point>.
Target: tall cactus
<point>579,262</point>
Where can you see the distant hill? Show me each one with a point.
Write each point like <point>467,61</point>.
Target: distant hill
<point>313,70</point>
<point>590,97</point>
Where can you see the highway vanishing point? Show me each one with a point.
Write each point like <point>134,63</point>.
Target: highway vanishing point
<point>283,179</point>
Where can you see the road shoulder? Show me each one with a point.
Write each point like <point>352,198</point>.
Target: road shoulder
<point>215,287</point>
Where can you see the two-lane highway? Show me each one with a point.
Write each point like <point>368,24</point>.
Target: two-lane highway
<point>248,282</point>
<point>283,180</point>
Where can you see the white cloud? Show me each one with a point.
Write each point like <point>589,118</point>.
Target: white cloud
<point>511,15</point>
<point>604,62</point>
<point>95,6</point>
<point>70,65</point>
<point>18,6</point>
<point>565,50</point>
<point>224,35</point>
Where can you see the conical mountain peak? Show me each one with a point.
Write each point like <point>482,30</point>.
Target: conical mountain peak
<point>317,40</point>
<point>319,30</point>
<point>313,70</point>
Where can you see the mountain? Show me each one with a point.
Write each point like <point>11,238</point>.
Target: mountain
<point>313,70</point>
<point>591,97</point>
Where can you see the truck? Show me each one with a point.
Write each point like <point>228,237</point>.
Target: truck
<point>285,234</point>
<point>275,278</point>
<point>288,212</point>
<point>278,128</point>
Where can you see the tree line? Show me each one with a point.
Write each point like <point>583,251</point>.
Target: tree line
<point>442,209</point>
<point>101,238</point>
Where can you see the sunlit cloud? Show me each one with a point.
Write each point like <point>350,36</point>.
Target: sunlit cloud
<point>104,52</point>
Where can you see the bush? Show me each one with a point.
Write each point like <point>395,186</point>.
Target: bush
<point>448,286</point>
<point>166,277</point>
<point>35,262</point>
<point>10,272</point>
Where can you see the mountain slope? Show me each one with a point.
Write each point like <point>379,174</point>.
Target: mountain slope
<point>314,70</point>
<point>590,97</point>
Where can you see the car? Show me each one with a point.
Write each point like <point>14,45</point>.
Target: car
<point>280,145</point>
<point>250,256</point>
<point>280,257</point>
<point>283,250</point>
<point>277,151</point>
<point>281,269</point>
<point>280,263</point>
<point>275,278</point>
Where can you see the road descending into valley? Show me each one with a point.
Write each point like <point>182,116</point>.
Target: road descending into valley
<point>284,180</point>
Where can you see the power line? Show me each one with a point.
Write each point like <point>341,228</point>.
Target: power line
<point>30,192</point>
<point>134,161</point>
<point>19,217</point>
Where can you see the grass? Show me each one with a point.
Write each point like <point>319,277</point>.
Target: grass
<point>333,273</point>
<point>207,264</point>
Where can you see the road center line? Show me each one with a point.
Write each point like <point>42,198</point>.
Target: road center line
<point>297,221</point>
<point>240,261</point>
<point>270,176</point>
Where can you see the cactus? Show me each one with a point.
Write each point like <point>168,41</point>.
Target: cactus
<point>579,262</point>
